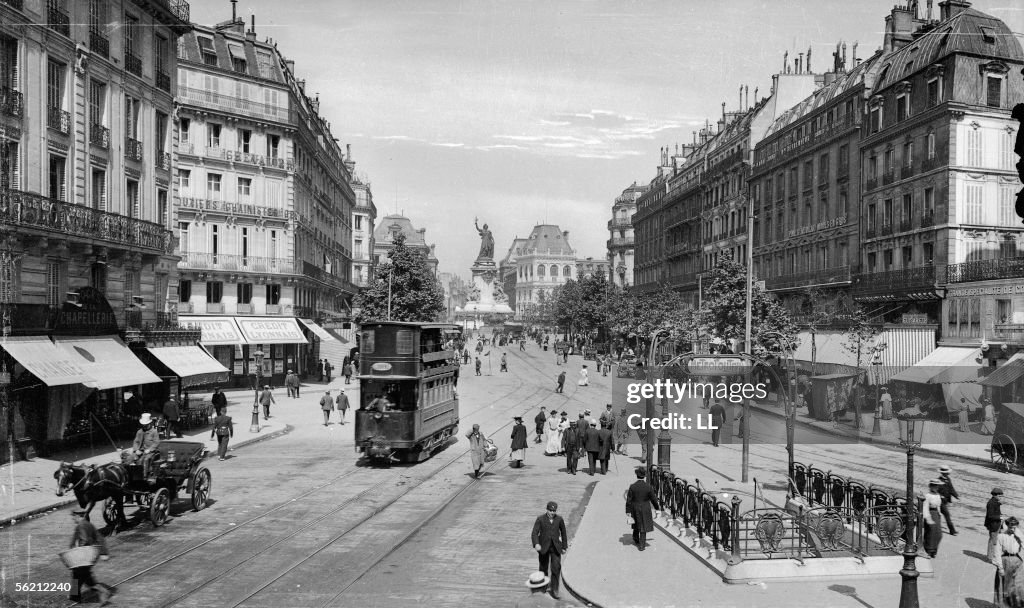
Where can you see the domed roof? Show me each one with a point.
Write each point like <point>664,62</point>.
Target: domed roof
<point>399,223</point>
<point>549,238</point>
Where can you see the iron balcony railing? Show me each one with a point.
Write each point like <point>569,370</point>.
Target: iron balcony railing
<point>163,160</point>
<point>57,18</point>
<point>273,309</point>
<point>11,102</point>
<point>1009,332</point>
<point>870,233</point>
<point>99,136</point>
<point>178,8</point>
<point>58,120</point>
<point>984,270</point>
<point>895,282</point>
<point>928,219</point>
<point>618,221</point>
<point>621,241</point>
<point>319,274</point>
<point>888,177</point>
<point>886,229</point>
<point>163,80</point>
<point>220,101</point>
<point>907,171</point>
<point>842,171</point>
<point>30,210</point>
<point>191,260</point>
<point>133,63</point>
<point>906,225</point>
<point>132,149</point>
<point>823,276</point>
<point>99,44</point>
<point>930,163</point>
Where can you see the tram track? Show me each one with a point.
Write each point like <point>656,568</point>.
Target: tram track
<point>231,572</point>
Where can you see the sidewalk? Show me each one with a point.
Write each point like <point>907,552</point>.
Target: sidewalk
<point>28,488</point>
<point>939,438</point>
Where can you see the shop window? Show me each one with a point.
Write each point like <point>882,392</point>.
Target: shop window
<point>273,293</point>
<point>214,292</point>
<point>1004,311</point>
<point>184,290</point>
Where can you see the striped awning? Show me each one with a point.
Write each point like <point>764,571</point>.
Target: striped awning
<point>903,346</point>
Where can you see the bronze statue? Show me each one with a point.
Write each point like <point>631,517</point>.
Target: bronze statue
<point>486,242</point>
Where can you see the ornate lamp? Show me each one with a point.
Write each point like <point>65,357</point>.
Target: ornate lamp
<point>911,431</point>
<point>254,426</point>
<point>876,427</point>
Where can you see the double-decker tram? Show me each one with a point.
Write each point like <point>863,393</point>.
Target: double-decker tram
<point>408,407</point>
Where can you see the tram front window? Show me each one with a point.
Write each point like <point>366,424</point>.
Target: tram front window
<point>390,396</point>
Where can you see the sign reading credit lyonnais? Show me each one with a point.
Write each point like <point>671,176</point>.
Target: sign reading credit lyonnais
<point>271,331</point>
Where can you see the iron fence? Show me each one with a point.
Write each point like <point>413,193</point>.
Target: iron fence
<point>132,149</point>
<point>99,136</point>
<point>133,64</point>
<point>57,18</point>
<point>11,102</point>
<point>58,120</point>
<point>99,44</point>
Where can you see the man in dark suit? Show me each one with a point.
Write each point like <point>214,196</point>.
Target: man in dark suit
<point>639,499</point>
<point>718,420</point>
<point>592,444</point>
<point>550,541</point>
<point>571,447</point>
<point>606,439</point>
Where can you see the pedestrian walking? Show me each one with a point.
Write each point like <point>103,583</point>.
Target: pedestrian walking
<point>518,443</point>
<point>219,399</point>
<point>948,493</point>
<point>563,428</point>
<point>565,356</point>
<point>346,369</point>
<point>621,432</point>
<point>291,382</point>
<point>607,418</point>
<point>592,444</point>
<point>964,416</point>
<point>1009,580</point>
<point>994,521</point>
<point>571,447</point>
<point>320,370</point>
<point>550,541</point>
<point>988,423</point>
<point>539,421</point>
<point>224,430</point>
<point>641,434</point>
<point>173,418</point>
<point>560,387</point>
<point>522,345</point>
<point>554,445</point>
<point>476,449</point>
<point>266,398</point>
<point>326,405</point>
<point>931,510</point>
<point>504,362</point>
<point>86,535</point>
<point>328,368</point>
<point>538,598</point>
<point>341,402</point>
<point>717,414</point>
<point>639,499</point>
<point>584,377</point>
<point>465,356</point>
<point>478,366</point>
<point>604,452</point>
<point>886,400</point>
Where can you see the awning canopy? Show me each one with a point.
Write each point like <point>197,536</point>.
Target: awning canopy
<point>944,365</point>
<point>1010,372</point>
<point>217,331</point>
<point>108,362</point>
<point>901,347</point>
<point>47,362</point>
<point>828,348</point>
<point>191,364</point>
<point>318,331</point>
<point>270,330</point>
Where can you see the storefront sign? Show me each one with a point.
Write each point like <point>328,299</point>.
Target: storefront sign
<point>86,313</point>
<point>823,225</point>
<point>992,290</point>
<point>717,366</point>
<point>271,331</point>
<point>216,330</point>
<point>914,319</point>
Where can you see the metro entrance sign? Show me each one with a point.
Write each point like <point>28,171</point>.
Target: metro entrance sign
<point>718,365</point>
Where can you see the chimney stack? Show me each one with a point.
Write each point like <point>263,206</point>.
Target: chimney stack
<point>951,8</point>
<point>800,64</point>
<point>234,12</point>
<point>808,60</point>
<point>855,60</point>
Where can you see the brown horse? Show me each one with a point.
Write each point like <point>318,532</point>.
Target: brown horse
<point>92,484</point>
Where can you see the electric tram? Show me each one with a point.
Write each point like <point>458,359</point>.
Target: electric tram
<point>408,406</point>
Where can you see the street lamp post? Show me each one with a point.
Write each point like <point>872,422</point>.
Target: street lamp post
<point>664,439</point>
<point>911,430</point>
<point>254,427</point>
<point>876,427</point>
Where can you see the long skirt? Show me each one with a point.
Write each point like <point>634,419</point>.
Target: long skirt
<point>887,410</point>
<point>988,427</point>
<point>933,533</point>
<point>554,445</point>
<point>1011,585</point>
<point>519,454</point>
<point>964,419</point>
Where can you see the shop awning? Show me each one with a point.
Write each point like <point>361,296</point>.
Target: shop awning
<point>191,364</point>
<point>217,331</point>
<point>108,362</point>
<point>47,362</point>
<point>270,330</point>
<point>828,348</point>
<point>902,346</point>
<point>944,365</point>
<point>318,331</point>
<point>1008,373</point>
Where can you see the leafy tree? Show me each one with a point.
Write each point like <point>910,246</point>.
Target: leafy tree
<point>415,293</point>
<point>723,313</point>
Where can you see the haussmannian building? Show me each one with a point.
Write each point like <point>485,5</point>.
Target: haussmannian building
<point>415,238</point>
<point>620,237</point>
<point>364,218</point>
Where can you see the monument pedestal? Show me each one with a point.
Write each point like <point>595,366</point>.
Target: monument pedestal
<point>485,273</point>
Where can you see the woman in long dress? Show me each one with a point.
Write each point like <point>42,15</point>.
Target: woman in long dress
<point>988,424</point>
<point>563,428</point>
<point>584,377</point>
<point>932,519</point>
<point>554,445</point>
<point>476,449</point>
<point>886,399</point>
<point>1009,581</point>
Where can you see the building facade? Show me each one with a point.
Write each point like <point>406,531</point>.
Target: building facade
<point>364,217</point>
<point>620,238</point>
<point>415,238</point>
<point>544,262</point>
<point>265,206</point>
<point>86,247</point>
<point>508,271</point>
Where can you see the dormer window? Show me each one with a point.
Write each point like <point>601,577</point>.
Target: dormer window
<point>988,34</point>
<point>207,50</point>
<point>875,113</point>
<point>993,73</point>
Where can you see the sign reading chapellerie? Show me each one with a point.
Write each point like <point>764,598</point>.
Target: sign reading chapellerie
<point>270,331</point>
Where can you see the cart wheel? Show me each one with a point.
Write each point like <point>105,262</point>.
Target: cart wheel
<point>160,507</point>
<point>1004,452</point>
<point>110,511</point>
<point>202,483</point>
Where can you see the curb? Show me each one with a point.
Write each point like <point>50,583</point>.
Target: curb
<point>32,512</point>
<point>875,441</point>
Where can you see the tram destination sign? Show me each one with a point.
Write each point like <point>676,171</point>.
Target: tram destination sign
<point>722,365</point>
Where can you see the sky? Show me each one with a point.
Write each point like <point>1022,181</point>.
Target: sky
<point>524,112</point>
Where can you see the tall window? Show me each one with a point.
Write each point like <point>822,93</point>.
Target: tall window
<point>132,285</point>
<point>9,171</point>
<point>359,221</point>
<point>902,107</point>
<point>887,213</point>
<point>245,246</point>
<point>215,242</point>
<point>265,64</point>
<point>213,135</point>
<point>907,256</point>
<point>993,91</point>
<point>184,126</point>
<point>244,293</point>
<point>872,212</point>
<point>160,52</point>
<point>213,186</point>
<point>890,161</point>
<point>273,145</point>
<point>823,168</point>
<point>908,154</point>
<point>98,277</point>
<point>161,133</point>
<point>206,49</point>
<point>934,92</point>
<point>972,213</point>
<point>132,107</point>
<point>928,253</point>
<point>214,292</point>
<point>844,207</point>
<point>58,177</point>
<point>244,139</point>
<point>132,198</point>
<point>244,188</point>
<point>272,247</point>
<point>273,294</point>
<point>975,154</point>
<point>930,146</point>
<point>908,207</point>
<point>161,207</point>
<point>54,281</point>
<point>185,180</point>
<point>844,158</point>
<point>99,189</point>
<point>929,201</point>
<point>55,71</point>
<point>184,290</point>
<point>1007,197</point>
<point>97,102</point>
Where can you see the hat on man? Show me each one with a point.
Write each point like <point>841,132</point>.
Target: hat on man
<point>945,470</point>
<point>266,386</point>
<point>935,482</point>
<point>581,415</point>
<point>997,491</point>
<point>146,419</point>
<point>552,505</point>
<point>517,418</point>
<point>593,422</point>
<point>641,472</point>
<point>565,413</point>
<point>537,580</point>
<point>1011,521</point>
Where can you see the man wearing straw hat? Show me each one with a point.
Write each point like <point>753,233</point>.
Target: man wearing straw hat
<point>86,535</point>
<point>147,439</point>
<point>538,584</point>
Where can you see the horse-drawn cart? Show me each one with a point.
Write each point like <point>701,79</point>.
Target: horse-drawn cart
<point>1008,440</point>
<point>177,468</point>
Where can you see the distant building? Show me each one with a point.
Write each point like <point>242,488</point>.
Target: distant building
<point>620,240</point>
<point>456,292</point>
<point>589,267</point>
<point>384,236</point>
<point>364,218</point>
<point>543,261</point>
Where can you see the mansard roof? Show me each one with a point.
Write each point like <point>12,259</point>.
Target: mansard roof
<point>549,239</point>
<point>844,82</point>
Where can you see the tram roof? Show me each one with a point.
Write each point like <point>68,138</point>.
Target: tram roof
<point>415,324</point>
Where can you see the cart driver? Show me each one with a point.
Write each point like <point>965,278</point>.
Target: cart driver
<point>144,447</point>
<point>380,404</point>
